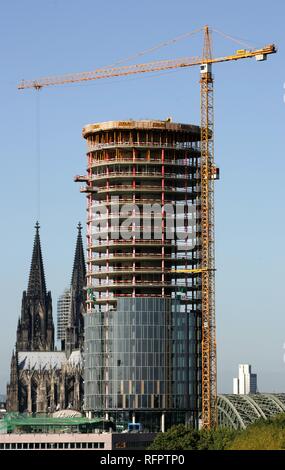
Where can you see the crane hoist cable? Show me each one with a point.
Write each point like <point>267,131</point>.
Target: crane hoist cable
<point>38,156</point>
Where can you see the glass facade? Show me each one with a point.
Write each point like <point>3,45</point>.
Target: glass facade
<point>142,357</point>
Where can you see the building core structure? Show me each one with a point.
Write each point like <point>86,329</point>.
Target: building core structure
<point>143,321</point>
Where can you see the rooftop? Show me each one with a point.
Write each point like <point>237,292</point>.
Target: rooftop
<point>140,124</point>
<point>47,359</point>
<point>41,360</point>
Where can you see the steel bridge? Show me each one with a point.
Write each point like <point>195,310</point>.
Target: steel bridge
<point>238,411</point>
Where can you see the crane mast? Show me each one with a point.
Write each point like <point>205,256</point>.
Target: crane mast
<point>207,171</point>
<point>208,353</point>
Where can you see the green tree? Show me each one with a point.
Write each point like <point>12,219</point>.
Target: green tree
<point>218,439</point>
<point>176,438</point>
<point>184,438</point>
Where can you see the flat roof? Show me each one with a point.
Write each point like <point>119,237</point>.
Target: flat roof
<point>140,124</point>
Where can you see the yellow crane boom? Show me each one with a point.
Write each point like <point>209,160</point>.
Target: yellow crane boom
<point>109,72</point>
<point>207,268</point>
<point>189,271</point>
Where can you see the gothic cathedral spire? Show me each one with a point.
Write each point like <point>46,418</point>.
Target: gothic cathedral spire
<point>35,330</point>
<point>75,328</point>
<point>37,283</point>
<point>79,268</point>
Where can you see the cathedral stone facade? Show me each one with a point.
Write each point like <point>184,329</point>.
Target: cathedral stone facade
<point>43,379</point>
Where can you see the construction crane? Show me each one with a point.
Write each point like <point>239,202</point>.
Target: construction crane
<point>208,170</point>
<point>189,271</point>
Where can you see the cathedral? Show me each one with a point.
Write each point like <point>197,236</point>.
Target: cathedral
<point>43,379</point>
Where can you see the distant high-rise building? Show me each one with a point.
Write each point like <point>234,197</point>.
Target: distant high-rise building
<point>63,315</point>
<point>246,382</point>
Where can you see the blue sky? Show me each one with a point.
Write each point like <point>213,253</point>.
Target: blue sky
<point>57,36</point>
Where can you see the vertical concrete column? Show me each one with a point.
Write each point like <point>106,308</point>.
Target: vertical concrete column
<point>52,404</point>
<point>62,393</point>
<point>162,422</point>
<point>29,392</point>
<point>38,400</point>
<point>76,397</point>
<point>41,396</point>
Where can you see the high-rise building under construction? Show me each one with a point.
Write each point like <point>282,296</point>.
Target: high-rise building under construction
<point>143,322</point>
